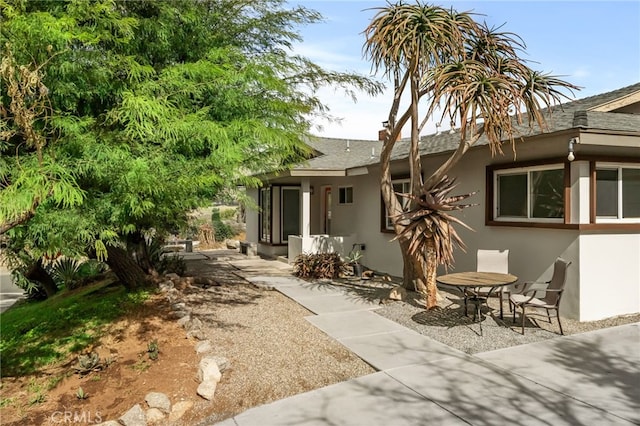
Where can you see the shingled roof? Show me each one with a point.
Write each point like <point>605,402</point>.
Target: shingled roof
<point>340,155</point>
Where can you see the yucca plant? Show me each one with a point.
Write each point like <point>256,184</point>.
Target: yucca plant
<point>430,219</point>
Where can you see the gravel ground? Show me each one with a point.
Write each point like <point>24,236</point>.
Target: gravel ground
<point>275,352</point>
<point>449,325</point>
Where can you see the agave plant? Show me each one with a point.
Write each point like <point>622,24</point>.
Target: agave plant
<point>429,219</point>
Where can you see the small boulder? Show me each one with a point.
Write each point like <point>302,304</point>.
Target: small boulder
<point>154,415</point>
<point>196,334</point>
<point>207,389</point>
<point>185,319</point>
<point>179,409</point>
<point>222,362</point>
<point>208,370</point>
<point>134,417</point>
<point>398,293</point>
<point>194,324</point>
<point>204,346</point>
<point>165,286</point>
<point>158,400</point>
<point>180,314</point>
<point>172,276</point>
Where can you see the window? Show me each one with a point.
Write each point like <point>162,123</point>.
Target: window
<point>402,186</point>
<point>345,195</point>
<point>617,193</point>
<point>530,194</point>
<point>265,214</point>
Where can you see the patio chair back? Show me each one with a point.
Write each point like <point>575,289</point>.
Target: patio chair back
<point>493,261</point>
<point>558,279</point>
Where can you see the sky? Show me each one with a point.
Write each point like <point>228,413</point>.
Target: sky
<point>592,44</point>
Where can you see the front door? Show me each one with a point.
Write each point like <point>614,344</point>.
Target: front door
<point>290,212</point>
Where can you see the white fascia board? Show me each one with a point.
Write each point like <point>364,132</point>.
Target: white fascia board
<point>358,171</point>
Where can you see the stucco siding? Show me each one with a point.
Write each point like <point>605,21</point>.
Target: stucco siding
<point>610,275</point>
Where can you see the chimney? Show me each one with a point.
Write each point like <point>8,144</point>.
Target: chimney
<point>383,133</point>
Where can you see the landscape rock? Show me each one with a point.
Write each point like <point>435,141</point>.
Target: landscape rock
<point>165,286</point>
<point>196,334</point>
<point>180,314</point>
<point>222,362</point>
<point>233,244</point>
<point>194,324</point>
<point>208,370</point>
<point>155,415</point>
<point>172,276</point>
<point>204,346</point>
<point>158,400</point>
<point>207,389</point>
<point>179,306</point>
<point>185,319</point>
<point>134,417</point>
<point>398,293</point>
<point>179,409</point>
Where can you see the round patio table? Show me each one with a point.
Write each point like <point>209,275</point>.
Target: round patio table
<point>473,282</point>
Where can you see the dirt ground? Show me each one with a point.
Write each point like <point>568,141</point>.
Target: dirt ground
<point>115,388</point>
<point>273,352</point>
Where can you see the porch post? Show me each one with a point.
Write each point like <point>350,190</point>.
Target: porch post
<point>306,209</point>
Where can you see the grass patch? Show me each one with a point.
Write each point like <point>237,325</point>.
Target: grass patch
<point>40,333</point>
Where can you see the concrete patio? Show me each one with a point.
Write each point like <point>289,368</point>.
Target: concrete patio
<point>584,379</point>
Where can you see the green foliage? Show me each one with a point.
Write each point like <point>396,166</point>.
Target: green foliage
<point>81,394</point>
<point>153,349</point>
<point>319,266</point>
<point>66,271</point>
<point>222,231</point>
<point>36,334</point>
<point>228,214</point>
<point>151,108</point>
<point>91,268</point>
<point>88,363</point>
<point>354,256</point>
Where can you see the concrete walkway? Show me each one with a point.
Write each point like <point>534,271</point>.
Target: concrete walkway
<point>586,379</point>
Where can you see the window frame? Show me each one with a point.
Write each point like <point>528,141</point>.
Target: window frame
<point>265,214</point>
<point>618,167</point>
<point>490,171</point>
<point>346,201</point>
<point>527,170</point>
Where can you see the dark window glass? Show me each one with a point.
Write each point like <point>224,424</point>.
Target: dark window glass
<point>345,195</point>
<point>290,212</point>
<point>547,194</point>
<point>630,193</point>
<point>512,195</point>
<point>607,193</point>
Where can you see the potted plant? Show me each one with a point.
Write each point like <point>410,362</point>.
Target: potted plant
<point>354,259</point>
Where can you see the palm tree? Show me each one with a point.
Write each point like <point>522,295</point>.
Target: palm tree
<point>464,72</point>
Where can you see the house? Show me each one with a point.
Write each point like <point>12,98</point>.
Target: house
<point>572,191</point>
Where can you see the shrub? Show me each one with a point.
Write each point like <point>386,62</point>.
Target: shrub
<point>319,266</point>
<point>171,263</point>
<point>66,271</point>
<point>228,214</point>
<point>222,231</point>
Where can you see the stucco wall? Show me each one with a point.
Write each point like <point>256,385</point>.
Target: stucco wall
<point>610,275</point>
